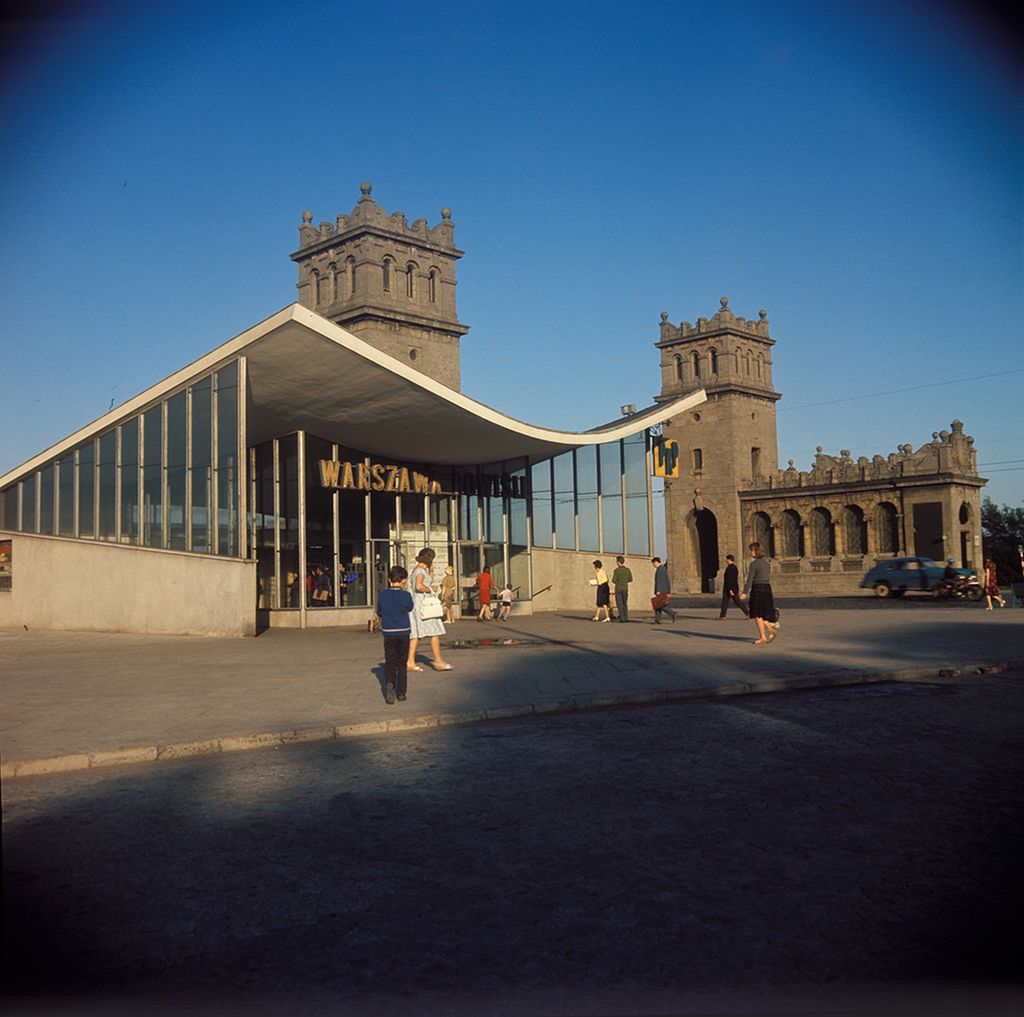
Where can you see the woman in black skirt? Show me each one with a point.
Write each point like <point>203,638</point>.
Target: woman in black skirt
<point>600,580</point>
<point>762,604</point>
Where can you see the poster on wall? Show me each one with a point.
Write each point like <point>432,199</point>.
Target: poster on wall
<point>6,569</point>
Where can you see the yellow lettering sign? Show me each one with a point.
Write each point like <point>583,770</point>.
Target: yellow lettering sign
<point>329,471</point>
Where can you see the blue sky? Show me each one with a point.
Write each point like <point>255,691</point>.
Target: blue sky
<point>856,169</point>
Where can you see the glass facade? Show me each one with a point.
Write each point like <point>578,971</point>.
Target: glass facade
<point>356,517</point>
<point>135,481</point>
<point>171,475</point>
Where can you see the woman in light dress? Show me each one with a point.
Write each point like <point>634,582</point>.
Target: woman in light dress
<point>421,583</point>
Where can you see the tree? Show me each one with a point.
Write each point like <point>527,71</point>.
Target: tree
<point>1003,530</point>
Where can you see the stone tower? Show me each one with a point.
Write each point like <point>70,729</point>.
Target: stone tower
<point>723,444</point>
<point>391,284</point>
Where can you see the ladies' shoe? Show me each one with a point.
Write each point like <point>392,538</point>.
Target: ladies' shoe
<point>415,667</point>
<point>445,667</point>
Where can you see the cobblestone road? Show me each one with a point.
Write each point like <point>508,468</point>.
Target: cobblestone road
<point>703,857</point>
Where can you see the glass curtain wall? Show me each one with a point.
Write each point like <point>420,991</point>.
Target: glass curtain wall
<point>131,483</point>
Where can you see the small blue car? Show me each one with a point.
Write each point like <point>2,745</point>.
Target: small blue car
<point>893,577</point>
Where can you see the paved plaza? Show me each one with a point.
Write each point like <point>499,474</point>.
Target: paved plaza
<point>843,851</point>
<point>73,701</point>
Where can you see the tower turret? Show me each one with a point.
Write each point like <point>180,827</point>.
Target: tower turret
<point>387,282</point>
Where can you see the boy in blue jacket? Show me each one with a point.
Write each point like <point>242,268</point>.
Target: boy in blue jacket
<point>393,607</point>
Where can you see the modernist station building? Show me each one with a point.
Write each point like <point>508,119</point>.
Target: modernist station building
<point>331,434</point>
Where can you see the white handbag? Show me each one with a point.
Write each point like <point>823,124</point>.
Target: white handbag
<point>430,607</point>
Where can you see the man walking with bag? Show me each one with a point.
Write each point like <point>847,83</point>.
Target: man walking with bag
<point>662,589</point>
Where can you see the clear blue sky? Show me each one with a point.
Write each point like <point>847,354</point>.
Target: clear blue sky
<point>855,168</point>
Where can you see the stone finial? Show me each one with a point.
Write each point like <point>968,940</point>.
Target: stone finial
<point>446,214</point>
<point>366,189</point>
<point>307,217</point>
<point>819,450</point>
<point>724,301</point>
<point>664,315</point>
<point>762,314</point>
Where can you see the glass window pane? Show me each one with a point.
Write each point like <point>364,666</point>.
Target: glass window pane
<point>542,505</point>
<point>565,503</point>
<point>108,486</point>
<point>469,520</point>
<point>46,499</point>
<point>289,520</point>
<point>87,490</point>
<point>152,478</point>
<point>130,515</point>
<point>28,504</point>
<point>517,504</point>
<point>227,460</point>
<point>319,526</point>
<point>176,472</point>
<point>586,497</point>
<point>610,457</point>
<point>263,509</point>
<point>202,469</point>
<point>634,451</point>
<point>66,496</point>
<point>493,503</point>
<point>9,508</point>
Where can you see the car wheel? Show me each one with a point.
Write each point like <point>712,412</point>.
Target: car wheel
<point>882,590</point>
<point>974,593</point>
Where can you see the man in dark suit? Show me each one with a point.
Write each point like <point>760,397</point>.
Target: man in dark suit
<point>731,588</point>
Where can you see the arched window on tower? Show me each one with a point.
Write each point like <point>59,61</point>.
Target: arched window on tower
<point>714,361</point>
<point>432,286</point>
<point>760,367</point>
<point>679,368</point>
<point>350,269</point>
<point>746,361</point>
<point>696,366</point>
<point>761,533</point>
<point>386,272</point>
<point>410,280</point>
<point>335,283</point>
<point>315,282</point>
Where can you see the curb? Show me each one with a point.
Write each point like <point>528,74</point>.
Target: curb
<point>336,732</point>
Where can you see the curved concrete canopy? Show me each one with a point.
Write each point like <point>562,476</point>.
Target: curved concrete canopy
<point>306,373</point>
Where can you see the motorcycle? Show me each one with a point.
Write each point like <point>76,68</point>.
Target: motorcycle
<point>961,588</point>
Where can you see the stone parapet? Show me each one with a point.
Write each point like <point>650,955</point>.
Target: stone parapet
<point>949,452</point>
<point>367,213</point>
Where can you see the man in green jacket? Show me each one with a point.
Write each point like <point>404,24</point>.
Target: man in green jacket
<point>621,578</point>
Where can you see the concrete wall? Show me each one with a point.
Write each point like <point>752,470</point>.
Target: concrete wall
<point>569,574</point>
<point>83,585</point>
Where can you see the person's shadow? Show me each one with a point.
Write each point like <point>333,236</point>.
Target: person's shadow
<point>380,673</point>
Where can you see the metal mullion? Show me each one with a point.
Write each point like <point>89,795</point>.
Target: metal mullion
<point>214,522</point>
<point>575,503</point>
<point>649,480</point>
<point>300,441</point>
<point>623,492</point>
<point>241,421</point>
<point>186,508</point>
<point>275,601</point>
<point>336,535</point>
<point>75,457</point>
<point>165,487</point>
